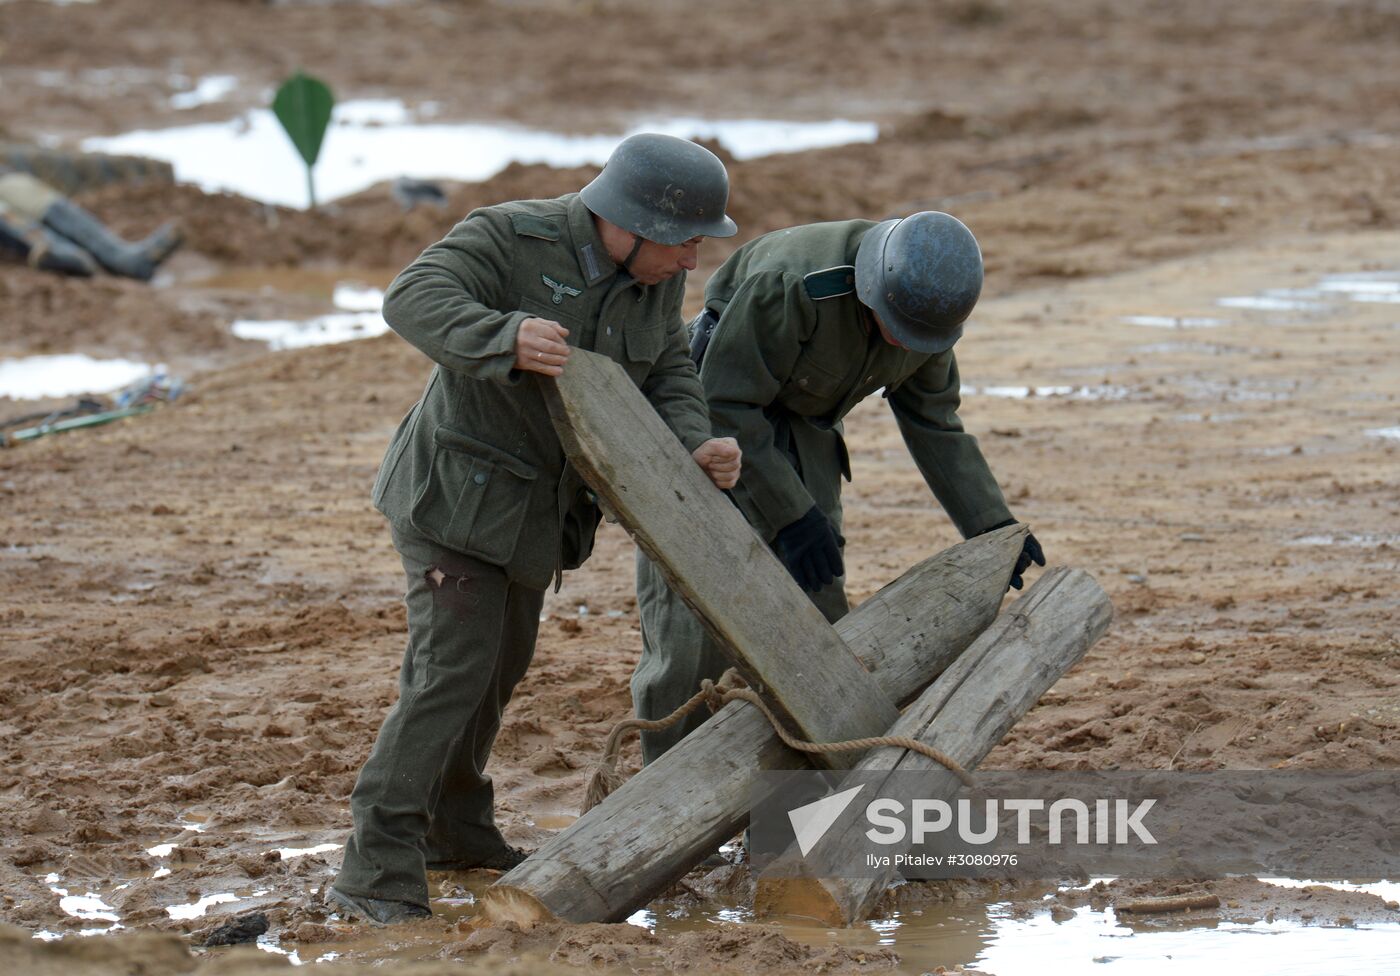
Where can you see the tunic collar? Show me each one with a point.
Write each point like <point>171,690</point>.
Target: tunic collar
<point>593,261</point>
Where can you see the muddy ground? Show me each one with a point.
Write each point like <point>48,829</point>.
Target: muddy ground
<point>200,623</point>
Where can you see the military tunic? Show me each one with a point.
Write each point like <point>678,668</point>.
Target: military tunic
<point>485,509</point>
<point>794,351</point>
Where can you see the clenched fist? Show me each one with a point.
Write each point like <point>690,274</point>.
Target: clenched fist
<point>720,458</point>
<point>540,347</point>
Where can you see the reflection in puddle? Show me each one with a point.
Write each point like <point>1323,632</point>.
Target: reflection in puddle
<point>37,377</point>
<point>359,319</point>
<point>372,140</point>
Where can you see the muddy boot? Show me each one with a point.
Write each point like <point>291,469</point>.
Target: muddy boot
<point>47,252</point>
<point>120,257</point>
<point>505,859</point>
<point>377,911</point>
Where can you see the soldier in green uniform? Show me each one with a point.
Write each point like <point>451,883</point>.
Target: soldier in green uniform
<point>799,326</point>
<point>483,507</point>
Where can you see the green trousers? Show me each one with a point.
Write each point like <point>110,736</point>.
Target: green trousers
<point>677,652</point>
<point>422,795</point>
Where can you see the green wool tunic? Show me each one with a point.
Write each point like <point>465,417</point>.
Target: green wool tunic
<point>476,465</point>
<point>794,351</point>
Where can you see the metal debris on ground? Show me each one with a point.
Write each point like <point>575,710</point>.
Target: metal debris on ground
<point>138,398</point>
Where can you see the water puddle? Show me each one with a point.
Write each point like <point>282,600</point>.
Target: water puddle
<point>1209,348</point>
<point>1208,418</point>
<point>198,908</point>
<point>1233,392</point>
<point>88,906</point>
<point>1004,938</point>
<point>1103,392</point>
<point>1274,300</point>
<point>40,377</point>
<point>207,90</point>
<point>1389,433</point>
<point>1357,286</point>
<point>1376,286</point>
<point>359,318</point>
<point>287,853</point>
<point>1173,321</point>
<point>371,140</point>
<point>1358,540</point>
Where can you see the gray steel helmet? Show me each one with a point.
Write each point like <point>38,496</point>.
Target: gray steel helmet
<point>663,189</point>
<point>921,275</point>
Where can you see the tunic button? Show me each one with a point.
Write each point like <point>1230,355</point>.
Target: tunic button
<point>479,478</point>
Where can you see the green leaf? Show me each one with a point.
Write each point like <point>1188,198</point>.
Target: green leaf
<point>303,106</point>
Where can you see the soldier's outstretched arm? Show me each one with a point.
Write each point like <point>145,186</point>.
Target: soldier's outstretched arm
<point>926,409</point>
<point>445,303</point>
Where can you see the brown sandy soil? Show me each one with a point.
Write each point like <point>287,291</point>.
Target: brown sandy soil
<point>200,624</point>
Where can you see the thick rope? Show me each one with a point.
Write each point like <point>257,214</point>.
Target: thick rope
<point>717,694</point>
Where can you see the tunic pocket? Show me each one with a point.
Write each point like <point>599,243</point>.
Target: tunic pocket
<point>475,497</point>
<point>813,389</point>
<point>644,343</point>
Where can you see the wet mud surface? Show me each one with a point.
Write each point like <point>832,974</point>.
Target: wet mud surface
<point>200,625</point>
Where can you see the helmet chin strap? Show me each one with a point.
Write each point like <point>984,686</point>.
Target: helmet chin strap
<point>632,254</point>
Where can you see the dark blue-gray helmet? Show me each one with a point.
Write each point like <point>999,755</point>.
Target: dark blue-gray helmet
<point>663,189</point>
<point>921,275</point>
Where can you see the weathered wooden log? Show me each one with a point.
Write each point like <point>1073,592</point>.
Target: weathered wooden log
<point>652,830</point>
<point>965,713</point>
<point>1167,903</point>
<point>782,645</point>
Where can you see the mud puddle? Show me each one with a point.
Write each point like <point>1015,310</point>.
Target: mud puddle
<point>43,377</point>
<point>1007,938</point>
<point>359,318</point>
<point>371,140</point>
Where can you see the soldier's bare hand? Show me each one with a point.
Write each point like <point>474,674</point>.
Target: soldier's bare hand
<point>720,458</point>
<point>540,347</point>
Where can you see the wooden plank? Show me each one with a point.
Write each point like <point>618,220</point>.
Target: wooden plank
<point>712,557</point>
<point>636,843</point>
<point>965,713</point>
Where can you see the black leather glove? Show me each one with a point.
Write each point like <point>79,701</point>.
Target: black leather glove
<point>1030,553</point>
<point>811,550</point>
